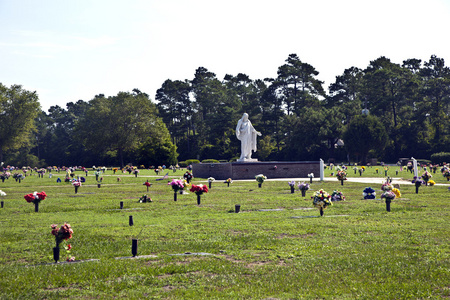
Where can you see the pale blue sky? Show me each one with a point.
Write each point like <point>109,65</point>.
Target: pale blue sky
<point>68,50</point>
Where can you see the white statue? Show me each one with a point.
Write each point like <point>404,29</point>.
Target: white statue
<point>246,133</point>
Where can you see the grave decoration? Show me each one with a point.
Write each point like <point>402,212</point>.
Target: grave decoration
<point>292,186</point>
<point>147,184</point>
<point>76,183</point>
<point>61,234</point>
<point>5,175</point>
<point>177,185</point>
<point>18,177</point>
<point>145,199</point>
<point>446,172</point>
<point>97,174</point>
<point>210,181</point>
<point>337,196</point>
<point>341,175</point>
<point>355,169</point>
<point>389,195</point>
<point>99,182</point>
<point>386,169</point>
<point>115,170</point>
<point>136,172</point>
<point>431,182</point>
<point>188,177</point>
<point>157,171</point>
<point>311,176</point>
<point>426,176</point>
<point>369,193</point>
<point>2,194</point>
<point>321,200</point>
<point>35,198</point>
<point>303,188</point>
<point>260,179</point>
<point>228,181</point>
<point>199,190</point>
<point>418,182</point>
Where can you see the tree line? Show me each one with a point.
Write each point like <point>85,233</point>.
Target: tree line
<point>385,111</point>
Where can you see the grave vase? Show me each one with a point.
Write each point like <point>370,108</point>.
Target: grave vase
<point>198,199</point>
<point>99,185</point>
<point>2,204</point>
<point>303,193</point>
<point>321,211</point>
<point>342,182</point>
<point>134,247</point>
<point>292,189</point>
<point>417,189</point>
<point>259,185</point>
<point>175,196</point>
<point>36,207</point>
<point>388,204</point>
<point>76,189</point>
<point>237,208</point>
<point>228,184</point>
<point>209,184</point>
<point>56,254</point>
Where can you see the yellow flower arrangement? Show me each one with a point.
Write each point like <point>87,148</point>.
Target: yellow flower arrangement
<point>397,192</point>
<point>431,182</point>
<point>363,167</point>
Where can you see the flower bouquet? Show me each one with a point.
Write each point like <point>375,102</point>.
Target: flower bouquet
<point>35,198</point>
<point>136,172</point>
<point>389,195</point>
<point>321,200</point>
<point>387,186</point>
<point>337,196</point>
<point>228,181</point>
<point>199,190</point>
<point>18,177</point>
<point>147,184</point>
<point>341,176</point>
<point>426,177</point>
<point>355,169</point>
<point>210,181</point>
<point>76,184</point>
<point>63,233</point>
<point>446,173</point>
<point>431,182</point>
<point>2,194</point>
<point>145,199</point>
<point>260,179</point>
<point>177,185</point>
<point>303,188</point>
<point>369,193</point>
<point>188,177</point>
<point>115,170</point>
<point>292,186</point>
<point>418,182</point>
<point>4,176</point>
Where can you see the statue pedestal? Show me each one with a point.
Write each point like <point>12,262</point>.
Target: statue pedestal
<point>247,160</point>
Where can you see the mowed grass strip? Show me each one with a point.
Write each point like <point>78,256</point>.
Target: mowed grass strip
<point>276,247</point>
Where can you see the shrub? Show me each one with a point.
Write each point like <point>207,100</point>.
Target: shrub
<point>210,161</point>
<point>192,161</point>
<point>440,157</point>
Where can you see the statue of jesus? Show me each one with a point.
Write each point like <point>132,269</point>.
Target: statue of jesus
<point>246,133</point>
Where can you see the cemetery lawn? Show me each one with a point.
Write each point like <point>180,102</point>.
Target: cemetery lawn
<point>277,247</point>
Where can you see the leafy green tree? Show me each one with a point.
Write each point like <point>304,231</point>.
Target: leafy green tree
<point>364,133</point>
<point>120,123</point>
<point>18,109</point>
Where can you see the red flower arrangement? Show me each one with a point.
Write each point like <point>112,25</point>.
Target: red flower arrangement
<point>199,189</point>
<point>35,197</point>
<point>147,184</point>
<point>63,233</point>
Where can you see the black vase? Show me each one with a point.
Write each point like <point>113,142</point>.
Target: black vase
<point>99,185</point>
<point>36,207</point>
<point>2,204</point>
<point>292,190</point>
<point>121,204</point>
<point>388,205</point>
<point>130,221</point>
<point>228,184</point>
<point>237,208</point>
<point>56,254</point>
<point>134,247</point>
<point>198,199</point>
<point>209,184</point>
<point>259,185</point>
<point>175,196</point>
<point>76,189</point>
<point>342,182</point>
<point>417,189</point>
<point>321,212</point>
<point>303,193</point>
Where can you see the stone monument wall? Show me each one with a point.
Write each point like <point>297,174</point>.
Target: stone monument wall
<point>248,170</point>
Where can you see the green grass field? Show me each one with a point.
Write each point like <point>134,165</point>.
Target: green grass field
<point>357,250</point>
